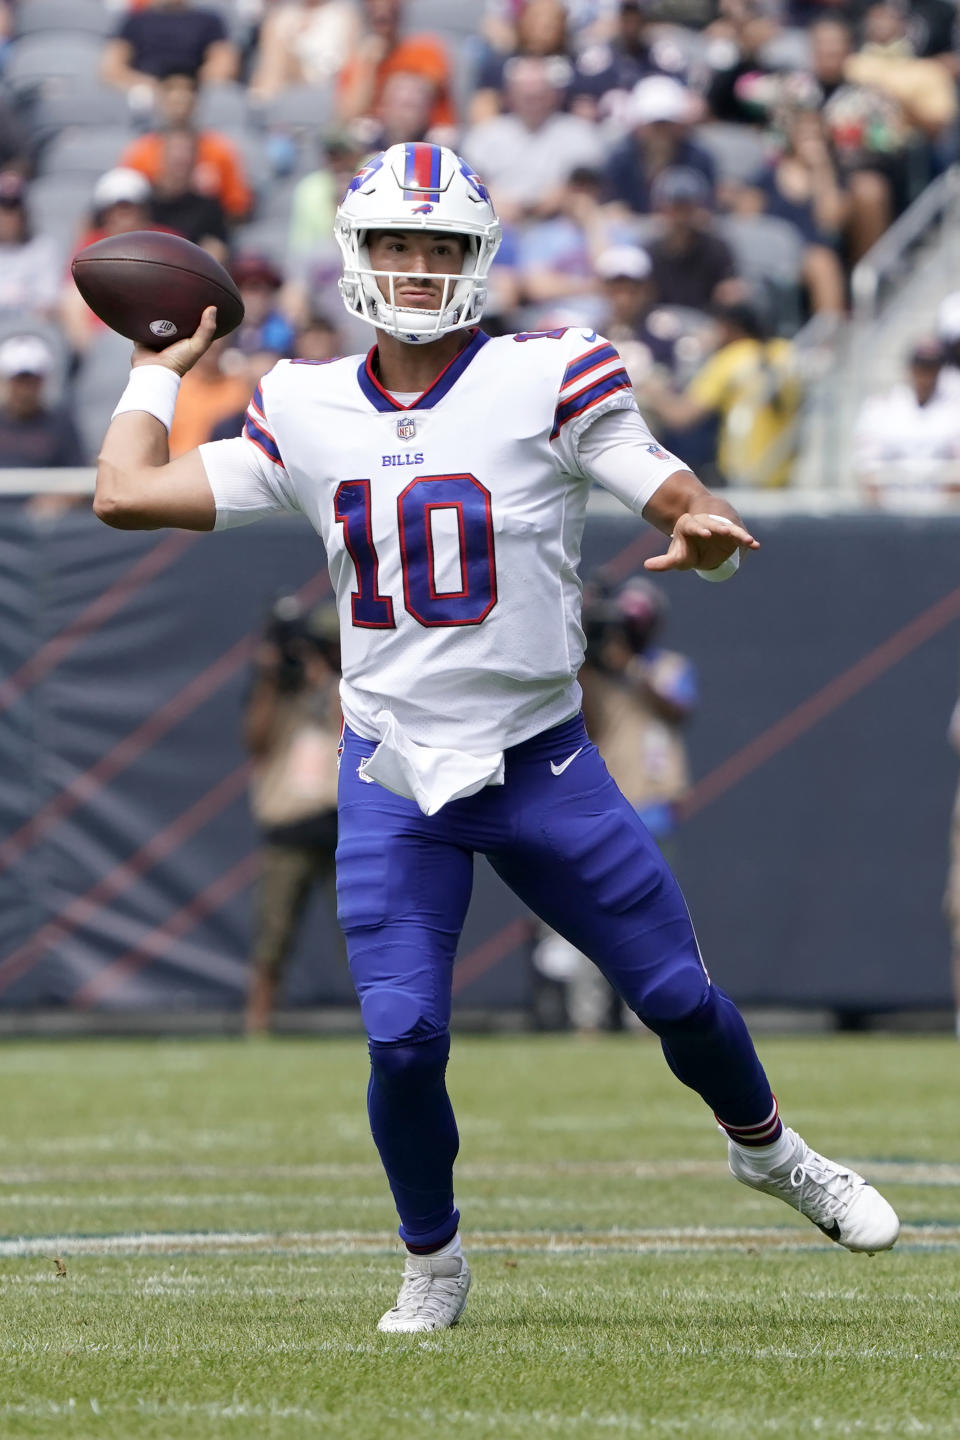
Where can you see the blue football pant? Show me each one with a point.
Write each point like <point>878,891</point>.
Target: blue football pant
<point>571,847</point>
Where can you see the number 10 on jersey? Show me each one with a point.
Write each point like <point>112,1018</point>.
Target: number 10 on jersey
<point>470,503</point>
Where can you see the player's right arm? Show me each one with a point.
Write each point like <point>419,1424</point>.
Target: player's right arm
<point>221,484</point>
<point>138,486</point>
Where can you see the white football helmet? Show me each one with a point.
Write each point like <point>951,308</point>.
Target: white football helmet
<point>416,187</point>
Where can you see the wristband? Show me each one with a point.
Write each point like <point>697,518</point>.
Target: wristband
<point>727,567</point>
<point>153,389</point>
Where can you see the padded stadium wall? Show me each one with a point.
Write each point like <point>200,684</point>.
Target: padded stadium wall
<point>813,855</point>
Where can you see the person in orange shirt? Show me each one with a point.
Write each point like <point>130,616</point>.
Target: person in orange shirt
<point>383,52</point>
<point>211,396</point>
<point>218,170</point>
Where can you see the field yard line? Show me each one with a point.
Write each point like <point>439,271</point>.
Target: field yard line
<point>341,1242</point>
<point>906,1172</point>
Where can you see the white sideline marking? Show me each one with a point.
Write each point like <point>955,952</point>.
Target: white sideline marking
<point>903,1172</point>
<point>341,1242</point>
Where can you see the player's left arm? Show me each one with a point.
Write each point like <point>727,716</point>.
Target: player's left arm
<point>704,529</point>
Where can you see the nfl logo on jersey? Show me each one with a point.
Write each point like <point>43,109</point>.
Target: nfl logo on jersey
<point>406,427</point>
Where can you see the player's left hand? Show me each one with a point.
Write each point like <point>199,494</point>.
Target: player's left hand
<point>702,542</point>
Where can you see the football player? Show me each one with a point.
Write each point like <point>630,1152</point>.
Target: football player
<point>447,474</point>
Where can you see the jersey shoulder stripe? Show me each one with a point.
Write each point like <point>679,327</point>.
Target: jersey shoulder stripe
<point>257,430</point>
<point>591,394</point>
<point>599,355</point>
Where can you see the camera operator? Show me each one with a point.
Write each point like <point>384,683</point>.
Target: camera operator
<point>291,727</point>
<point>637,697</point>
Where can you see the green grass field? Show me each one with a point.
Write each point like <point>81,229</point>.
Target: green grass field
<point>228,1244</point>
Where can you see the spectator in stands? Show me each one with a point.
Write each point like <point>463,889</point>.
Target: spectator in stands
<point>380,53</point>
<point>318,339</point>
<point>660,112</point>
<point>526,155</point>
<point>217,167</point>
<point>907,441</point>
<point>732,86</point>
<point>607,72</point>
<point>868,134</point>
<point>589,22</point>
<point>218,385</point>
<point>15,144</point>
<point>751,383</point>
<point>628,294</point>
<point>171,37</point>
<point>29,264</point>
<point>541,32</point>
<point>555,255</point>
<point>177,205</point>
<point>405,110</point>
<point>318,194</point>
<point>303,42</point>
<point>692,266</point>
<point>265,334</point>
<point>803,184</point>
<point>121,203</point>
<point>887,61</point>
<point>33,435</point>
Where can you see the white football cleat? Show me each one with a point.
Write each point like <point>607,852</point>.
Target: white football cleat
<point>835,1198</point>
<point>432,1296</point>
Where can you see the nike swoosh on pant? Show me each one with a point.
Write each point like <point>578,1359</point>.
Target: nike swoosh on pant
<point>559,769</point>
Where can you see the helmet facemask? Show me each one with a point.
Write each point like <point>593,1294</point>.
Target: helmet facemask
<point>462,295</point>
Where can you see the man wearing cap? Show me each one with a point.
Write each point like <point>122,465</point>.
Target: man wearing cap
<point>907,441</point>
<point>29,265</point>
<point>626,276</point>
<point>660,113</point>
<point>33,435</point>
<point>690,263</point>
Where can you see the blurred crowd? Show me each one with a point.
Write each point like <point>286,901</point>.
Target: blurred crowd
<point>694,178</point>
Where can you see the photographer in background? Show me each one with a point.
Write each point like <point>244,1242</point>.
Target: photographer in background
<point>637,697</point>
<point>291,727</point>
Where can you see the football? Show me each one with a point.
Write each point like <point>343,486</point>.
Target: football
<point>153,287</point>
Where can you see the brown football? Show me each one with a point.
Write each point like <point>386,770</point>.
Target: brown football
<point>153,287</point>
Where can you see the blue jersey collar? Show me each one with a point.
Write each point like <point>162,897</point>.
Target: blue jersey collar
<point>381,399</point>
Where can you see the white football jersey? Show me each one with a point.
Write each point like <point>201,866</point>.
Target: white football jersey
<point>451,523</point>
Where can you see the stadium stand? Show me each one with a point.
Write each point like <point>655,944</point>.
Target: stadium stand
<point>724,87</point>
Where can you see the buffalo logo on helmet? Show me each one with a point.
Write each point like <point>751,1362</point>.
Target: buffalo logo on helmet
<point>423,210</point>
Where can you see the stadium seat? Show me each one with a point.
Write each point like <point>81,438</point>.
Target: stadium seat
<point>44,62</point>
<point>449,19</point>
<point>84,150</point>
<point>80,105</point>
<point>58,206</point>
<point>222,107</point>
<point>303,109</point>
<point>765,247</point>
<point>92,17</point>
<point>769,254</point>
<point>264,237</point>
<point>738,152</point>
<point>790,50</point>
<point>255,154</point>
<point>276,199</point>
<point>99,385</point>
